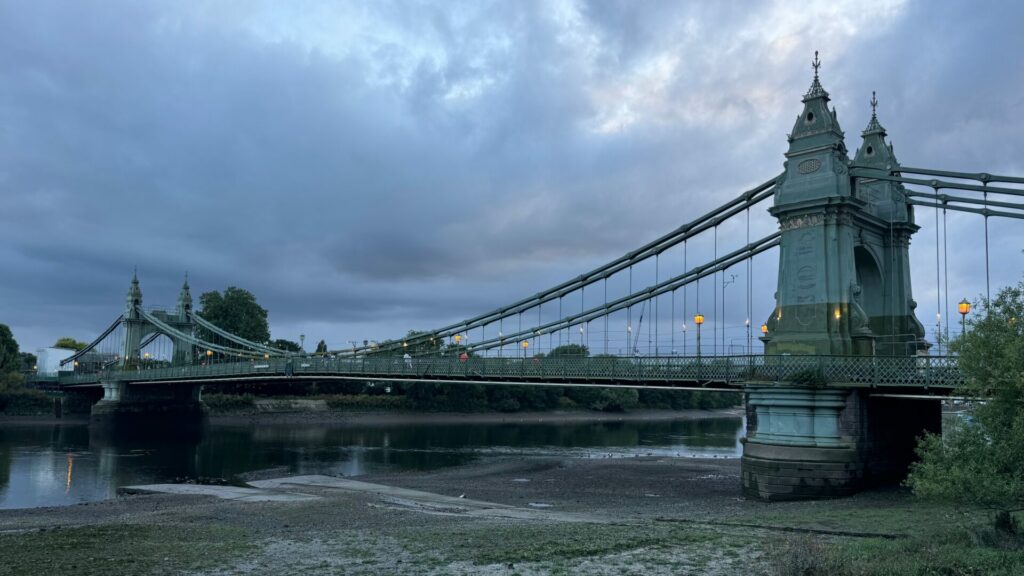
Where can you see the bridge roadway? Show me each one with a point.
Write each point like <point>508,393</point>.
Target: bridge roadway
<point>898,375</point>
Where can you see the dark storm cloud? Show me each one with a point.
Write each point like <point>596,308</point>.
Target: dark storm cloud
<point>365,169</point>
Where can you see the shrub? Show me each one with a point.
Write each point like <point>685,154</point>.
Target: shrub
<point>367,402</point>
<point>25,401</point>
<point>229,402</point>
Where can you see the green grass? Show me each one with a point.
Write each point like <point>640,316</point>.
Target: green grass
<point>941,552</point>
<point>120,549</point>
<point>518,543</point>
<point>896,513</point>
<point>929,538</point>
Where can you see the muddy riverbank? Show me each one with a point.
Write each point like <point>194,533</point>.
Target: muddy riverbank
<point>499,516</point>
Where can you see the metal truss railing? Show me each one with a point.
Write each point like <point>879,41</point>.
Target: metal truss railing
<point>842,371</point>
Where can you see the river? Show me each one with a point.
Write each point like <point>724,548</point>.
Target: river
<point>56,465</point>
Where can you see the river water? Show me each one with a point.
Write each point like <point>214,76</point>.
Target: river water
<point>56,465</point>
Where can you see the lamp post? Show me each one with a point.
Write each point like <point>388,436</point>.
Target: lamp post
<point>964,307</point>
<point>209,356</point>
<point>629,339</point>
<point>581,341</point>
<point>747,324</point>
<point>698,319</point>
<point>526,344</point>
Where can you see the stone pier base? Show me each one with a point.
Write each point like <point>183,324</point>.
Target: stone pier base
<point>805,443</point>
<point>165,410</point>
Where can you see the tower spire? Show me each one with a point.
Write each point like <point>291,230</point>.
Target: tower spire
<point>873,124</point>
<point>184,298</point>
<point>815,91</point>
<point>134,297</point>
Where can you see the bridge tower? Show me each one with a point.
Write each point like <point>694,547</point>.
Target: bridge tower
<point>134,325</point>
<point>844,265</point>
<point>128,405</point>
<point>184,352</point>
<point>843,289</point>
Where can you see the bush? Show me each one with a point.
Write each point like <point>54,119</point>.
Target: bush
<point>24,401</point>
<point>15,398</point>
<point>229,402</point>
<point>367,402</point>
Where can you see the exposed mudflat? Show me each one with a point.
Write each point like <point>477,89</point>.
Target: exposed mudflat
<point>500,516</point>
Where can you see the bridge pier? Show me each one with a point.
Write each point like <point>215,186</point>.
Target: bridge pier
<point>126,406</point>
<point>806,443</point>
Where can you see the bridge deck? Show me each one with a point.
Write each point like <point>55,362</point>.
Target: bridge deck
<point>921,372</point>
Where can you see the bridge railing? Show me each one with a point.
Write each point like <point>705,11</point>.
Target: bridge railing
<point>916,371</point>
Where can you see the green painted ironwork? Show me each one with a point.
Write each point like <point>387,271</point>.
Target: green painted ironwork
<point>939,372</point>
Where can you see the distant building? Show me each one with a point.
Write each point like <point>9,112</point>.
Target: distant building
<point>48,361</point>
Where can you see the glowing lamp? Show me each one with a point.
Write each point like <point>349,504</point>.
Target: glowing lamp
<point>964,307</point>
<point>698,319</point>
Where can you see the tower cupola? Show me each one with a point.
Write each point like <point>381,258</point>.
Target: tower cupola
<point>874,152</point>
<point>816,125</point>
<point>134,297</point>
<point>185,299</point>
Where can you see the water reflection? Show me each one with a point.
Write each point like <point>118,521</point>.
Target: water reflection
<point>59,465</point>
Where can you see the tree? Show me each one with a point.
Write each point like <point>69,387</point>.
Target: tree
<point>27,361</point>
<point>235,311</point>
<point>286,345</point>
<point>321,347</point>
<point>8,351</point>
<point>415,344</point>
<point>982,462</point>
<point>70,344</point>
<point>569,351</point>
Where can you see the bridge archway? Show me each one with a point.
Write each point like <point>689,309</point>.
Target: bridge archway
<point>869,277</point>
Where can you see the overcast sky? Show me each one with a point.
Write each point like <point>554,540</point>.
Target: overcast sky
<point>367,168</point>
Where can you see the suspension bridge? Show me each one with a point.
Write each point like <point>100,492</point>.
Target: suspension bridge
<point>840,383</point>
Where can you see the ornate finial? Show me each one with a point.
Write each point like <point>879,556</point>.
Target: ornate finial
<point>873,125</point>
<point>816,91</point>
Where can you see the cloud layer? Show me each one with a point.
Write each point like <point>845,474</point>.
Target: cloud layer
<point>365,168</point>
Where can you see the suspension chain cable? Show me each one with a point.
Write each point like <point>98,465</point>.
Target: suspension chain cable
<point>945,260</point>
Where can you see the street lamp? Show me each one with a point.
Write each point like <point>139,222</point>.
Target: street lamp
<point>698,319</point>
<point>526,344</point>
<point>629,339</point>
<point>581,340</point>
<point>209,355</point>
<point>747,324</point>
<point>964,307</point>
<point>764,329</point>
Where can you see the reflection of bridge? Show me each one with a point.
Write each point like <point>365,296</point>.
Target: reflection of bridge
<point>833,404</point>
